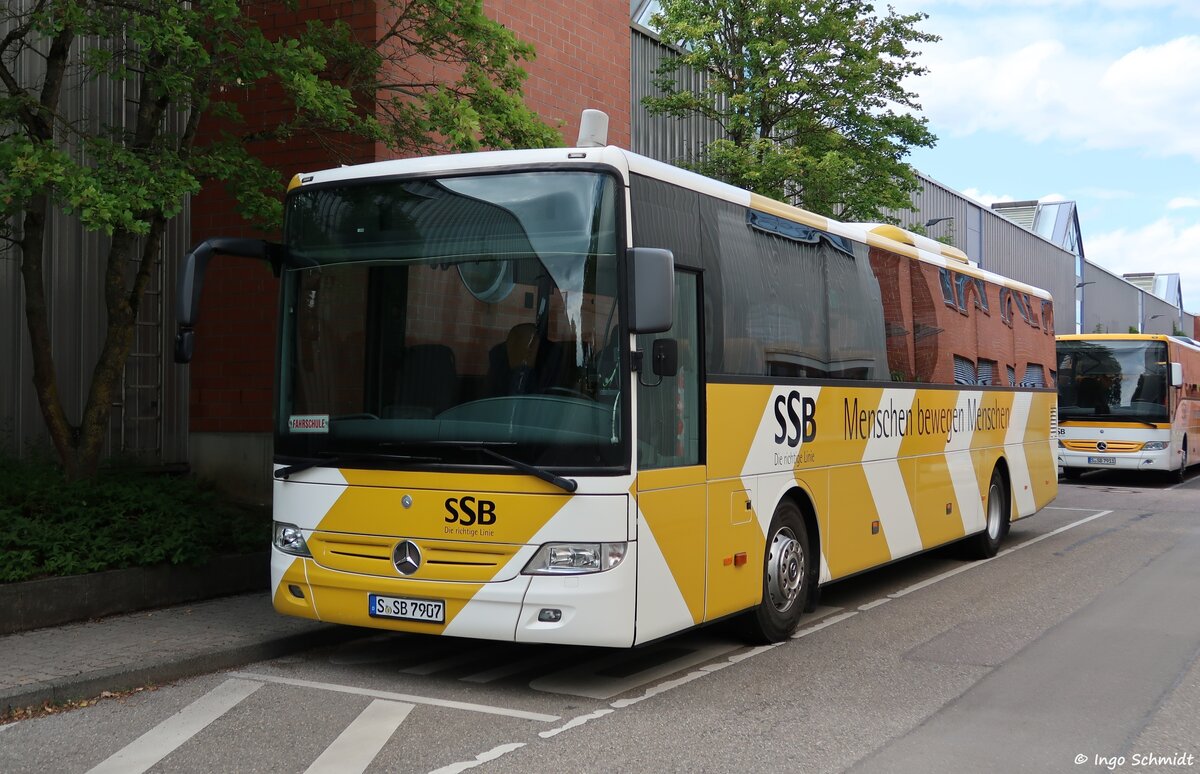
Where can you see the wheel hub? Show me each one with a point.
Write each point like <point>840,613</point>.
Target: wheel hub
<point>785,570</point>
<point>995,512</point>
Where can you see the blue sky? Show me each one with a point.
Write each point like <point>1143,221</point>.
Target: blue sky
<point>1097,101</point>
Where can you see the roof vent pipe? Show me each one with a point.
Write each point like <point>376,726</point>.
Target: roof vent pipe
<point>593,129</point>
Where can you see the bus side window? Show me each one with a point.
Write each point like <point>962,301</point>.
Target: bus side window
<point>669,430</point>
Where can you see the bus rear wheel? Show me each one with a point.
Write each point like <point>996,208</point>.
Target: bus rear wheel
<point>787,578</point>
<point>987,543</point>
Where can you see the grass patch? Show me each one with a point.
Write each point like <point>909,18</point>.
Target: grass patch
<point>123,518</point>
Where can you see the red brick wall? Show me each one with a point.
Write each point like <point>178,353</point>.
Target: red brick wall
<point>582,62</point>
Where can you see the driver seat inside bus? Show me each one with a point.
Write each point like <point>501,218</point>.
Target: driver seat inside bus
<point>512,364</point>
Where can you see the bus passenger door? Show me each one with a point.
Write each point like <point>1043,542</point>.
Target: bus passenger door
<point>671,483</point>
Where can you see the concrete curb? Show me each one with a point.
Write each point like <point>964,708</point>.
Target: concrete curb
<point>46,602</point>
<point>123,678</point>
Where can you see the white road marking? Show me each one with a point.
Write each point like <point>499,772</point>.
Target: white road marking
<point>876,603</point>
<point>575,723</point>
<point>160,741</point>
<point>824,624</point>
<point>484,757</point>
<point>357,746</point>
<point>459,705</point>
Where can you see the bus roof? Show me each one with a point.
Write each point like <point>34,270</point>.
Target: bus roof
<point>1182,340</point>
<point>884,236</point>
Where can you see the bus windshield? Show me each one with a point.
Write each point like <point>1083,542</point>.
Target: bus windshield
<point>457,319</point>
<point>1113,380</point>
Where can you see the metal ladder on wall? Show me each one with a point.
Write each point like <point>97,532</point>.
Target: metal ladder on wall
<point>136,426</point>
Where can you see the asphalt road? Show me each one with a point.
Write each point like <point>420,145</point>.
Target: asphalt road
<point>1076,650</point>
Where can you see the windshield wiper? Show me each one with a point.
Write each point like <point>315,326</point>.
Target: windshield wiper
<point>1145,422</point>
<point>566,484</point>
<point>337,460</point>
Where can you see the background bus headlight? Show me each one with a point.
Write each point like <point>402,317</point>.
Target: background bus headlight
<point>575,558</point>
<point>290,540</point>
<point>1154,445</point>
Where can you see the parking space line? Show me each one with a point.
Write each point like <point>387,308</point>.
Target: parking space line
<point>160,741</point>
<point>361,741</point>
<point>403,697</point>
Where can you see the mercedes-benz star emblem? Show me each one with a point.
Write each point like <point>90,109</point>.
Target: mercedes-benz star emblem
<point>1102,446</point>
<point>406,557</point>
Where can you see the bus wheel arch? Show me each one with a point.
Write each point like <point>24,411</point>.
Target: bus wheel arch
<point>791,567</point>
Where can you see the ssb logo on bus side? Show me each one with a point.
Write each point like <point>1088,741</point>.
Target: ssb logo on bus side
<point>800,424</point>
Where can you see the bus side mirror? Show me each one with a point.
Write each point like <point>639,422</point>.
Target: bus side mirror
<point>191,281</point>
<point>653,287</point>
<point>1176,374</point>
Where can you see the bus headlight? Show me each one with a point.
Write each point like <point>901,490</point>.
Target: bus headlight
<point>575,558</point>
<point>1154,445</point>
<point>290,540</point>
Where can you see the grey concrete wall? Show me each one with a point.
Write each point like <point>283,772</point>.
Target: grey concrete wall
<point>239,463</point>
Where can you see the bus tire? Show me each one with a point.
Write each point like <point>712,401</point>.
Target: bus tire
<point>996,519</point>
<point>787,578</point>
<point>1178,476</point>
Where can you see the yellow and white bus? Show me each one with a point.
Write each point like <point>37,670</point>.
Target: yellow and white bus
<point>1128,402</point>
<point>579,396</point>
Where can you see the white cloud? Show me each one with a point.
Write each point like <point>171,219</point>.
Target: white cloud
<point>988,198</point>
<point>1044,72</point>
<point>1164,246</point>
<point>1183,202</point>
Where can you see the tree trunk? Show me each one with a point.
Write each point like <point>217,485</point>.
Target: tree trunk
<point>37,319</point>
<point>122,304</point>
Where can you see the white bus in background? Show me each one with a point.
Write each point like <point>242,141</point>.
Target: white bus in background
<point>1128,402</point>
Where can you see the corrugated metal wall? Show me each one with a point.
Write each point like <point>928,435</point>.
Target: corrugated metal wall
<point>150,420</point>
<point>672,140</point>
<point>1158,316</point>
<point>1110,304</point>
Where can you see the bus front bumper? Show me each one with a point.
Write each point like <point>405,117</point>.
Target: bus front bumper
<point>593,609</point>
<point>1143,460</point>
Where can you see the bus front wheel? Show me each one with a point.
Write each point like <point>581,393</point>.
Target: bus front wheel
<point>787,578</point>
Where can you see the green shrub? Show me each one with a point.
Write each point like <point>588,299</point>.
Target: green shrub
<point>123,518</point>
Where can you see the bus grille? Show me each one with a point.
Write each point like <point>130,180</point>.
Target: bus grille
<point>1115,447</point>
<point>441,560</point>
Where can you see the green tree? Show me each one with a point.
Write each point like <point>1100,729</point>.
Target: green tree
<point>809,94</point>
<point>177,65</point>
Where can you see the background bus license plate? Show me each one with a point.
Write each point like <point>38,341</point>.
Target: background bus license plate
<point>431,610</point>
<point>1102,460</point>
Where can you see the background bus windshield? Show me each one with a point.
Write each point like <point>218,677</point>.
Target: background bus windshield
<point>440,316</point>
<point>1113,380</point>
